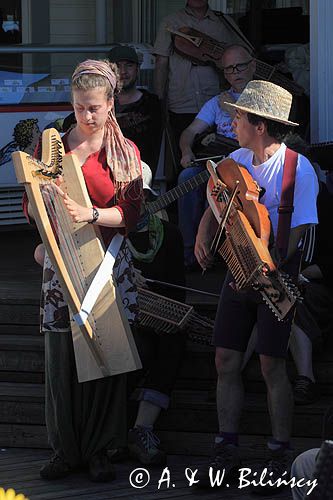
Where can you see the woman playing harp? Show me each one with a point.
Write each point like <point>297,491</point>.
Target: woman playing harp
<point>84,420</point>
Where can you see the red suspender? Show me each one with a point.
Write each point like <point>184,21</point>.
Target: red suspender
<point>286,207</point>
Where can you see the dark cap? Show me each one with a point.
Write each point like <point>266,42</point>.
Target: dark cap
<point>123,53</point>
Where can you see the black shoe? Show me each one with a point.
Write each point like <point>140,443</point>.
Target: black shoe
<point>100,468</point>
<point>278,465</point>
<point>143,445</point>
<point>55,469</point>
<point>305,391</point>
<point>225,462</point>
<point>116,455</point>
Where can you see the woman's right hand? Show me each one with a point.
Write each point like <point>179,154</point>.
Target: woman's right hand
<point>59,180</point>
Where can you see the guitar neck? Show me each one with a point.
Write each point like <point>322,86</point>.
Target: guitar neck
<point>269,73</point>
<point>178,191</point>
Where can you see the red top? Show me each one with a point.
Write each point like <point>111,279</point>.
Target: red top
<point>101,189</point>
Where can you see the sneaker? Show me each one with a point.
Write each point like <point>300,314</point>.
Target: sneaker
<point>225,462</point>
<point>305,391</point>
<point>143,445</point>
<point>100,468</point>
<point>278,465</point>
<point>55,469</point>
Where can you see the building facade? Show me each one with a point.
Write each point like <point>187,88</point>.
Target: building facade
<point>42,40</point>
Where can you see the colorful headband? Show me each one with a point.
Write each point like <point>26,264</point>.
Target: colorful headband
<point>94,67</point>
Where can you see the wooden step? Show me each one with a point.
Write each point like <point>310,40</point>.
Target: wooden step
<point>205,376</point>
<point>20,284</point>
<point>177,443</point>
<point>23,436</point>
<point>19,313</point>
<point>22,377</point>
<point>21,405</point>
<point>21,353</point>
<point>323,371</point>
<point>189,411</point>
<point>201,443</point>
<point>22,392</point>
<point>24,353</point>
<point>22,343</point>
<point>20,329</point>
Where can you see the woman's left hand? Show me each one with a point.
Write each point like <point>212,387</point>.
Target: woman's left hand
<point>77,212</point>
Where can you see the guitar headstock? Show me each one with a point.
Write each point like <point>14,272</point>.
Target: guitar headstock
<point>219,185</point>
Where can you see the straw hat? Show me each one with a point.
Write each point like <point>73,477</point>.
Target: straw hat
<point>265,99</point>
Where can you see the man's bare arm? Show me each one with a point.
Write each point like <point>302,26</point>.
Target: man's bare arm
<point>161,75</point>
<point>187,138</point>
<point>206,232</point>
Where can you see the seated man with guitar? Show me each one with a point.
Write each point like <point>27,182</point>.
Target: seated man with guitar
<point>238,67</point>
<point>287,209</point>
<point>188,50</point>
<point>183,79</point>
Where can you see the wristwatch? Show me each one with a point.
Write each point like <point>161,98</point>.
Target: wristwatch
<point>95,215</point>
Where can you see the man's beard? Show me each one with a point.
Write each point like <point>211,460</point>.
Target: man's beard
<point>130,85</point>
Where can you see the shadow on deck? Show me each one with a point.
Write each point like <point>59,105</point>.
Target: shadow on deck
<point>19,469</point>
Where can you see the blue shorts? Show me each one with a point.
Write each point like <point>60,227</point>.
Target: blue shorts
<point>236,316</point>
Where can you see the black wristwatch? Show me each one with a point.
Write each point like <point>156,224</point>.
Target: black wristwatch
<point>95,215</point>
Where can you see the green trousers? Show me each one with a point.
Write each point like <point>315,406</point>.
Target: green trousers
<point>81,418</point>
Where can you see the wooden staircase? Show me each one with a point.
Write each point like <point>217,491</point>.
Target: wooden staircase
<point>188,427</point>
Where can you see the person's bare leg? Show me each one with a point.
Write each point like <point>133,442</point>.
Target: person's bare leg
<point>301,350</point>
<point>230,391</point>
<point>143,444</point>
<point>279,396</point>
<point>147,414</point>
<point>250,347</point>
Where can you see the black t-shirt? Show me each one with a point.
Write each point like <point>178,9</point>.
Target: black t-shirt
<point>168,264</point>
<point>141,122</point>
<point>323,244</point>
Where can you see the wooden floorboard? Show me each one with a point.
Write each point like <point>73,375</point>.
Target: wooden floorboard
<point>19,469</point>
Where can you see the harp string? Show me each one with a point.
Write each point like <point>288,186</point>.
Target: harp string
<point>71,251</point>
<point>61,223</point>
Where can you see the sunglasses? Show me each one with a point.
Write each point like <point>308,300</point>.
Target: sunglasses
<point>238,68</point>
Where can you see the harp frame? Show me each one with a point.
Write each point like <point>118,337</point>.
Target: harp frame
<point>108,348</point>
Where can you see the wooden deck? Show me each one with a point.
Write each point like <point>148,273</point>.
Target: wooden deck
<point>19,469</point>
<point>186,430</point>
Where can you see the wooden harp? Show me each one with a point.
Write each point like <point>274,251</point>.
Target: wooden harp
<point>103,341</point>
